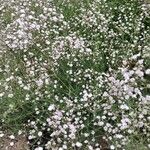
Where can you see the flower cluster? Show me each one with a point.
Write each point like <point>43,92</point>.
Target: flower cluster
<point>75,75</point>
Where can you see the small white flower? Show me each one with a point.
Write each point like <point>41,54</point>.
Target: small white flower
<point>1,94</point>
<point>147,71</point>
<point>64,146</point>
<point>90,147</point>
<point>40,134</point>
<point>134,57</point>
<point>33,123</point>
<point>47,42</point>
<point>19,132</point>
<point>140,61</point>
<point>1,135</point>
<point>51,107</point>
<point>86,134</point>
<point>88,50</point>
<point>10,95</point>
<point>147,97</point>
<point>30,137</point>
<point>124,106</point>
<point>119,136</point>
<point>11,143</point>
<point>39,148</point>
<point>100,123</point>
<point>78,144</point>
<point>39,83</point>
<point>12,137</point>
<point>139,73</point>
<point>112,147</point>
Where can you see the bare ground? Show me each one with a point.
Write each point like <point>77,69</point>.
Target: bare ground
<point>20,143</point>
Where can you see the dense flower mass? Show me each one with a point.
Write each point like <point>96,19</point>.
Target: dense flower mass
<point>75,74</point>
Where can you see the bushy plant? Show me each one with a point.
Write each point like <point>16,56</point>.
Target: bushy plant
<point>75,74</point>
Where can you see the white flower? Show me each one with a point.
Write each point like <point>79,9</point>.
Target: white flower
<point>147,71</point>
<point>47,42</point>
<point>39,83</point>
<point>100,123</point>
<point>135,56</point>
<point>147,97</point>
<point>124,106</point>
<point>126,75</point>
<point>39,148</point>
<point>78,144</point>
<point>112,147</point>
<point>12,137</point>
<point>33,123</point>
<point>88,50</point>
<point>51,107</point>
<point>19,132</point>
<point>140,61</point>
<point>86,134</point>
<point>1,94</point>
<point>1,135</point>
<point>11,143</point>
<point>65,146</point>
<point>10,95</point>
<point>90,147</point>
<point>119,136</point>
<point>30,137</point>
<point>40,134</point>
<point>139,73</point>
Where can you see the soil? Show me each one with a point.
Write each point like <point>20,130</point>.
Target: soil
<point>20,143</point>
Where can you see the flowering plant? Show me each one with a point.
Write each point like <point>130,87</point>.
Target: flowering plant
<point>75,75</point>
